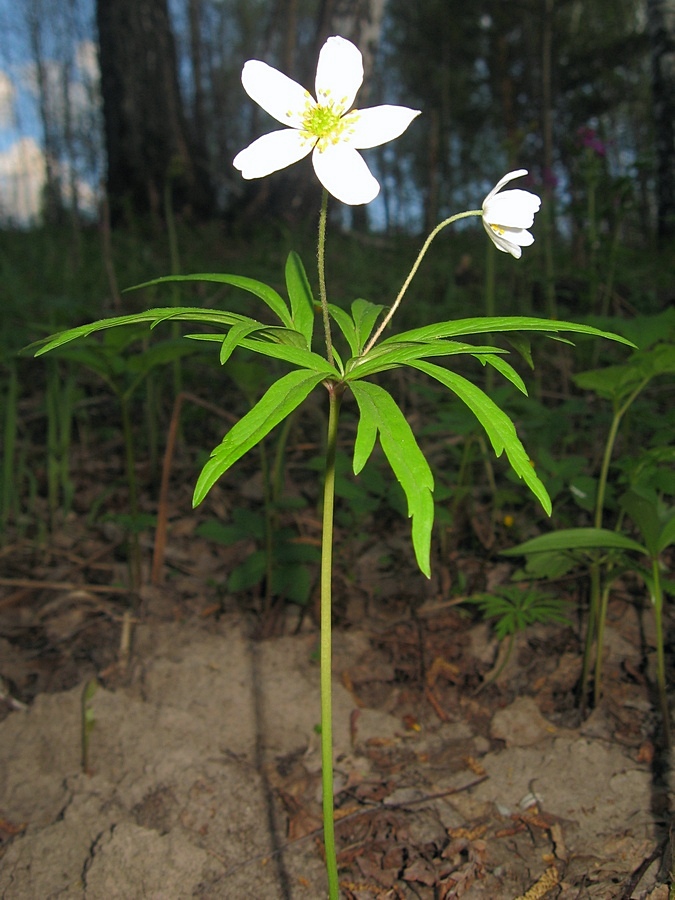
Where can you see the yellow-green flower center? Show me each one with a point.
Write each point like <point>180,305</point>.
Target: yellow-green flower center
<point>326,123</point>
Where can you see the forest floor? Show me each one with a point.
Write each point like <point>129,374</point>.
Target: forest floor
<point>185,763</point>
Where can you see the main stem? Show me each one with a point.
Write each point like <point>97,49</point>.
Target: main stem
<point>334,397</point>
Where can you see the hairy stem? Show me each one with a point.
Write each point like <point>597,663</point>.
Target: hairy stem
<point>321,265</point>
<point>411,274</point>
<point>334,395</point>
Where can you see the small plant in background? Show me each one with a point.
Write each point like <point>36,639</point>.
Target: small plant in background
<point>333,132</point>
<point>513,609</point>
<point>605,553</point>
<point>123,373</point>
<point>9,486</point>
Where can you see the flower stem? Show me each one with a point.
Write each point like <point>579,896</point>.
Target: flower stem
<point>411,273</point>
<point>321,265</point>
<point>335,392</point>
<point>657,602</point>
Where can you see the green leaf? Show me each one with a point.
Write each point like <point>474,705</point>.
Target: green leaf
<point>489,324</point>
<point>305,359</point>
<point>357,327</point>
<point>656,524</point>
<point>505,369</point>
<point>365,315</point>
<point>522,345</point>
<point>366,435</point>
<point>300,295</point>
<point>234,338</point>
<point>499,428</point>
<point>263,291</point>
<point>667,536</point>
<point>346,325</point>
<point>248,573</point>
<point>391,356</point>
<point>245,524</point>
<point>151,316</point>
<point>280,400</point>
<point>379,410</point>
<point>617,383</point>
<point>577,539</point>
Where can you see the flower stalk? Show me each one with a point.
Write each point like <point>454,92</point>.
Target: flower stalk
<point>321,265</point>
<point>411,274</point>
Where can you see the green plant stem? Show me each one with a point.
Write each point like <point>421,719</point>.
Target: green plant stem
<point>598,601</point>
<point>335,392</point>
<point>412,272</point>
<point>321,266</point>
<point>490,303</point>
<point>609,449</point>
<point>9,493</point>
<point>593,606</point>
<point>502,665</point>
<point>657,600</point>
<point>601,617</point>
<point>134,545</point>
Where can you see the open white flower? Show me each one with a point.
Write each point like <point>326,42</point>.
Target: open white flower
<point>327,127</point>
<point>508,215</point>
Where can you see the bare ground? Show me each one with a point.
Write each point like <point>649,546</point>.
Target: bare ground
<point>186,762</point>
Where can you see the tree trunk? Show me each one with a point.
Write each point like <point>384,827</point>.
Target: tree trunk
<point>146,137</point>
<point>661,22</point>
<point>52,201</point>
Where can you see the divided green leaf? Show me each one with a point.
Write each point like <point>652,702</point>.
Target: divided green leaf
<point>379,414</point>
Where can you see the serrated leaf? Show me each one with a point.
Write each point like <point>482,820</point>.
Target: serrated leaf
<point>498,426</point>
<point>406,459</point>
<point>346,325</point>
<point>391,356</point>
<point>305,359</point>
<point>300,295</point>
<point>576,539</point>
<point>667,536</point>
<point>233,338</point>
<point>277,403</point>
<point>656,524</point>
<point>366,435</point>
<point>259,289</point>
<point>522,345</point>
<point>364,314</point>
<point>490,324</point>
<point>505,369</point>
<point>151,316</point>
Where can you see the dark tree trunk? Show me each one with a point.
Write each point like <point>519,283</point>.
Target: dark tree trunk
<point>661,19</point>
<point>146,137</point>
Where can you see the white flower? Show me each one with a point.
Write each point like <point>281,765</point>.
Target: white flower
<point>327,127</point>
<point>508,215</point>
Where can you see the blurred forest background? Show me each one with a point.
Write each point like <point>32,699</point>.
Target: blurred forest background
<point>143,97</point>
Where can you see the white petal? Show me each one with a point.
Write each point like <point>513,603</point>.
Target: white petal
<point>272,152</point>
<point>278,94</point>
<point>505,180</point>
<point>510,240</point>
<point>512,209</point>
<point>345,175</point>
<point>379,124</point>
<point>339,73</point>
